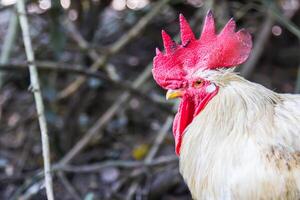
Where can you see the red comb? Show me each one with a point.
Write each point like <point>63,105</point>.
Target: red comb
<point>226,49</point>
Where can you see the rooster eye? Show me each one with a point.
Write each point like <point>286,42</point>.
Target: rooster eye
<point>198,83</point>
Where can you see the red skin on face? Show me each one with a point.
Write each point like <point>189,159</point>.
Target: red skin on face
<point>173,69</point>
<point>193,102</point>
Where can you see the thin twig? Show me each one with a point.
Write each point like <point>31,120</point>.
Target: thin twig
<point>153,151</point>
<point>27,184</point>
<point>106,117</point>
<point>34,83</point>
<point>115,163</point>
<point>68,186</point>
<point>113,49</point>
<point>81,42</point>
<point>159,139</point>
<point>95,167</point>
<point>67,68</point>
<point>132,190</point>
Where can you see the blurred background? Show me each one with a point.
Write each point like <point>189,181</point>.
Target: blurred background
<point>109,124</point>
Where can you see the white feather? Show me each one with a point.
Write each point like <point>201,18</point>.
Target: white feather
<point>244,144</point>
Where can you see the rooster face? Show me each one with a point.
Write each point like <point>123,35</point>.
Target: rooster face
<point>195,96</point>
<point>195,89</point>
<point>185,70</point>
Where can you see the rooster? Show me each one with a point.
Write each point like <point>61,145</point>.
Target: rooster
<point>235,139</point>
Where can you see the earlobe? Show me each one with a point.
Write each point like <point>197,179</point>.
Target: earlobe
<point>211,88</point>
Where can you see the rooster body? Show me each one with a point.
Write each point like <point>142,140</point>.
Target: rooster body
<point>236,139</point>
<point>244,145</point>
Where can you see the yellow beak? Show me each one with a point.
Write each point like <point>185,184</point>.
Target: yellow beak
<point>172,94</point>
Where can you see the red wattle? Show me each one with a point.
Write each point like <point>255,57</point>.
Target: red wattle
<point>187,111</point>
<point>182,119</point>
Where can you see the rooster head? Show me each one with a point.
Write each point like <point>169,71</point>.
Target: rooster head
<point>181,67</point>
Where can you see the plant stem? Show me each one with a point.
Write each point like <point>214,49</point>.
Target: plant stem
<point>35,87</point>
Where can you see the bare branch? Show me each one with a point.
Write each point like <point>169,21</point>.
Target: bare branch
<point>106,117</point>
<point>68,186</point>
<point>115,48</point>
<point>159,139</point>
<point>34,81</point>
<point>115,163</point>
<point>67,68</point>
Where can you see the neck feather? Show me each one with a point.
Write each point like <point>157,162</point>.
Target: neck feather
<point>222,132</point>
<point>239,103</point>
